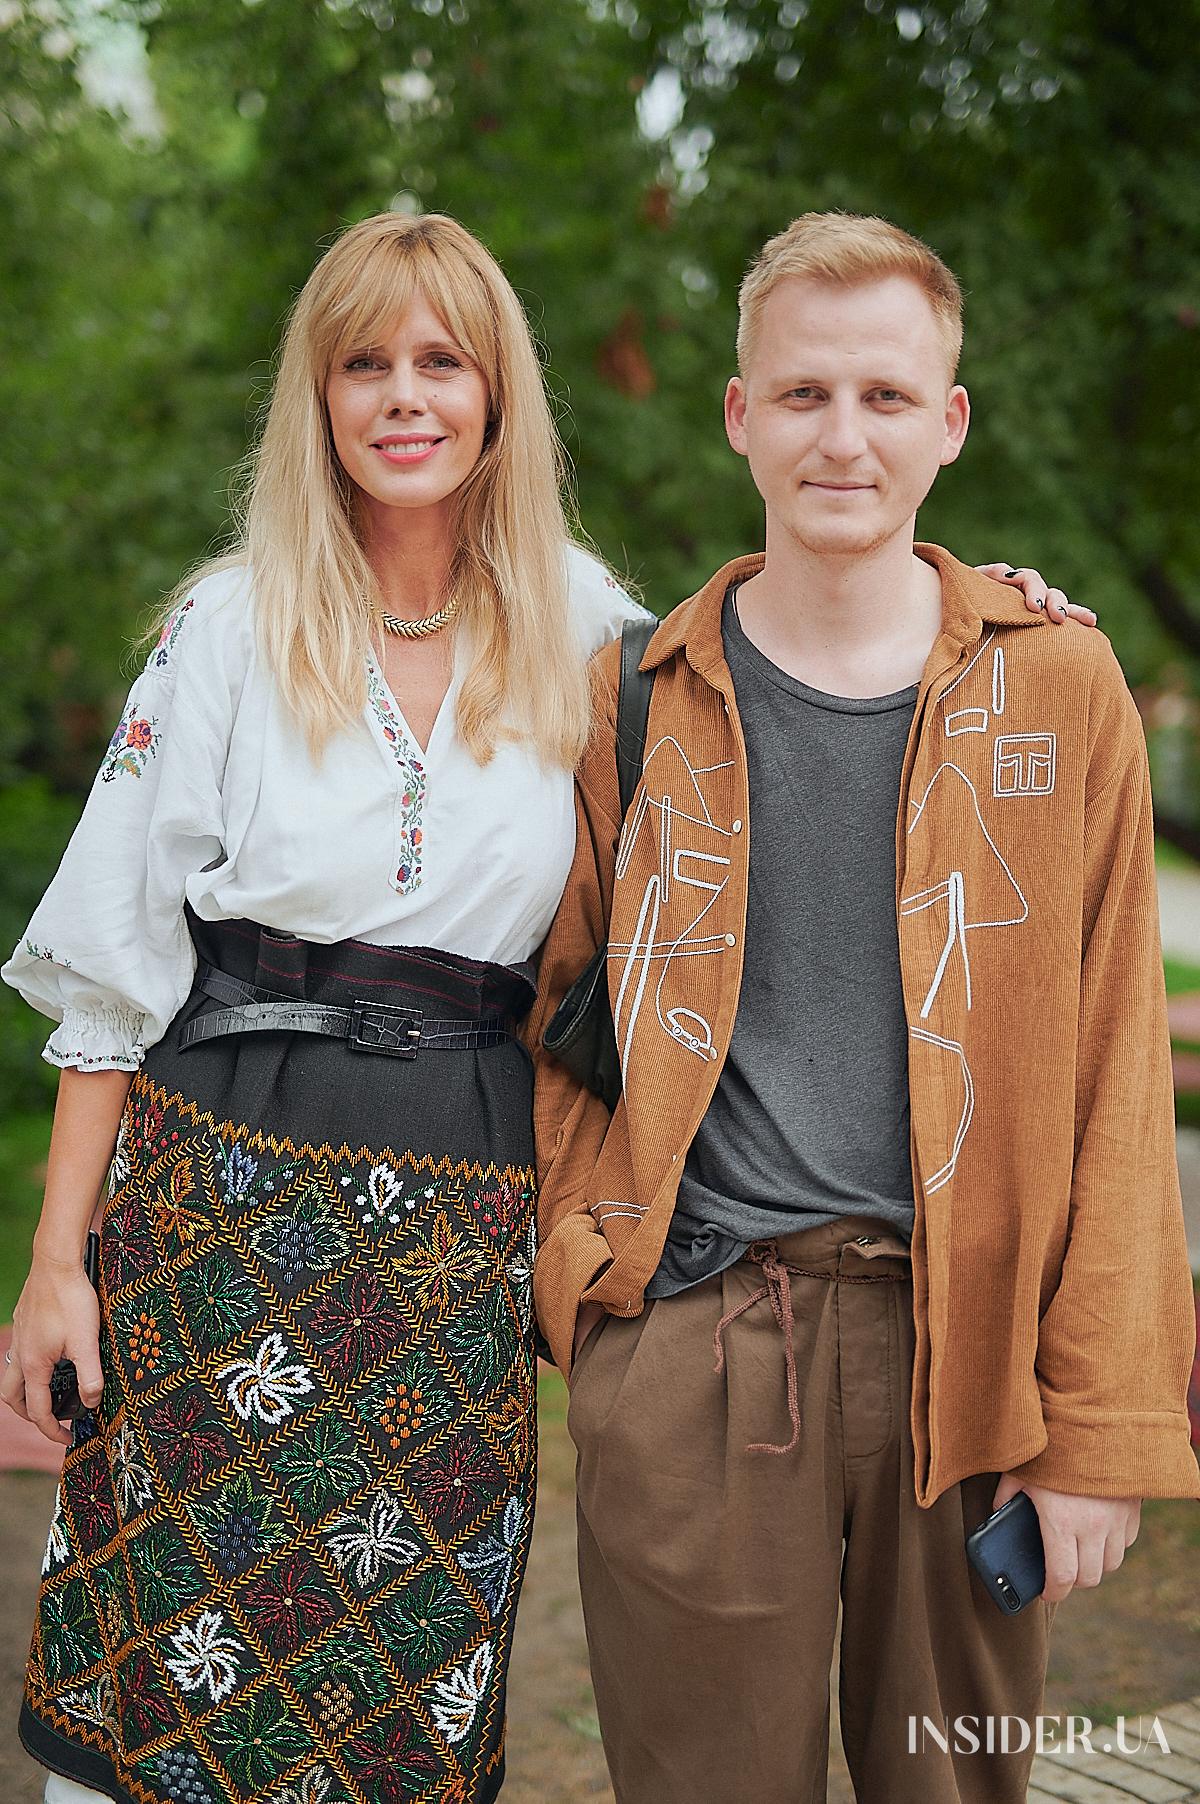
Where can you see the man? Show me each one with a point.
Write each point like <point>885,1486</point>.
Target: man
<point>886,1226</point>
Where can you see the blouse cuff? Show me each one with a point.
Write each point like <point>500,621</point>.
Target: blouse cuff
<point>108,1039</point>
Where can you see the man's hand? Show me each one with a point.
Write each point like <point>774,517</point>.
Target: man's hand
<point>1038,598</point>
<point>1084,1537</point>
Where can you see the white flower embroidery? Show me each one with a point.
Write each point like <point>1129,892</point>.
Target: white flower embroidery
<point>57,1547</point>
<point>372,1541</point>
<point>118,1172</point>
<point>461,1694</point>
<point>312,1787</point>
<point>384,1187</point>
<point>132,1479</point>
<point>95,1703</point>
<point>206,1656</point>
<point>264,1386</point>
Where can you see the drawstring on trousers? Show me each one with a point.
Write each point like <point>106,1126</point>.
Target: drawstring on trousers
<point>777,1288</point>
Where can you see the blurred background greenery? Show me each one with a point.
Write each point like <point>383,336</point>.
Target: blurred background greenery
<point>169,170</point>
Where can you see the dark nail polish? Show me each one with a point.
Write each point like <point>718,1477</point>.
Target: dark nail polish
<point>1010,573</point>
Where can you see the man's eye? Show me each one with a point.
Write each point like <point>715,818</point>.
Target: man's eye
<point>888,394</point>
<point>806,393</point>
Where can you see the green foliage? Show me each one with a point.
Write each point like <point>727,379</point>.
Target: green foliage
<point>24,1140</point>
<point>1048,147</point>
<point>35,825</point>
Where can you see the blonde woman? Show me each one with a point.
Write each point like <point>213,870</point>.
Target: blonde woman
<point>287,950</point>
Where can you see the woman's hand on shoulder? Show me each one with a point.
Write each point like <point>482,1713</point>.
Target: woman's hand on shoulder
<point>1039,598</point>
<point>57,1317</point>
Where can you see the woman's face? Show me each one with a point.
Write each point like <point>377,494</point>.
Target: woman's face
<point>408,416</point>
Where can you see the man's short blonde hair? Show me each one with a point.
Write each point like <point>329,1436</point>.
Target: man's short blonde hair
<point>845,249</point>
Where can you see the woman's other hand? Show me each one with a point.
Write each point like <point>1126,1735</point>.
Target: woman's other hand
<point>1039,598</point>
<point>57,1317</point>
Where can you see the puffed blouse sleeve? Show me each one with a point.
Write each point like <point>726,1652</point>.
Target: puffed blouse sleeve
<point>599,605</point>
<point>107,953</point>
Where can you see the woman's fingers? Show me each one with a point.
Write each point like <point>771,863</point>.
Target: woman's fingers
<point>90,1375</point>
<point>37,1404</point>
<point>12,1386</point>
<point>1039,597</point>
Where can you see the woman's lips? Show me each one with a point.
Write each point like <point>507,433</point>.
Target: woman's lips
<point>411,451</point>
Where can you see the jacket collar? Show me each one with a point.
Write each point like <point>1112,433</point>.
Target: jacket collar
<point>969,603</point>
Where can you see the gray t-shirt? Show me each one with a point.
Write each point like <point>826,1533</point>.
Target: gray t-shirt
<point>810,1116</point>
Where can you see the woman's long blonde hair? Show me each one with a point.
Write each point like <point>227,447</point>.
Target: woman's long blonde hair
<point>295,522</point>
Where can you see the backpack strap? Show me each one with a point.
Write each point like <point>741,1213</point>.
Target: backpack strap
<point>633,706</point>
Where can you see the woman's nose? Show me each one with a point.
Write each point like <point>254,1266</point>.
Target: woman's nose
<point>404,393</point>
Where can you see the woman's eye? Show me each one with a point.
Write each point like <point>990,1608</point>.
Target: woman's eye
<point>442,360</point>
<point>364,360</point>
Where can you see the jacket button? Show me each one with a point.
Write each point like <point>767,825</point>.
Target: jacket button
<point>731,939</point>
<point>737,827</point>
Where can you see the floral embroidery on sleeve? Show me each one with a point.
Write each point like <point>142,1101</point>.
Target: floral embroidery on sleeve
<point>132,746</point>
<point>406,875</point>
<point>169,634</point>
<point>48,953</point>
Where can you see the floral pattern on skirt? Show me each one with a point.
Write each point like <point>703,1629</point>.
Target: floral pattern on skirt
<point>286,1555</point>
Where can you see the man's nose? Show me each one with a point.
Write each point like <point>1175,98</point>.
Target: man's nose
<point>842,438</point>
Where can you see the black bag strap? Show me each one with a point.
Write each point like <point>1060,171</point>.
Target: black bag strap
<point>633,706</point>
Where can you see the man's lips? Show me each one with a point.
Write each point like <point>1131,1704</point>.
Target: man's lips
<point>837,488</point>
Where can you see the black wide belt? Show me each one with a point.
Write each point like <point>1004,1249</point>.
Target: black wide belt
<point>398,1031</point>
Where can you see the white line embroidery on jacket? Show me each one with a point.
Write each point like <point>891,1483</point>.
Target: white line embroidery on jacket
<point>1024,764</point>
<point>998,690</point>
<point>684,866</point>
<point>966,720</point>
<point>946,1171</point>
<point>951,687</point>
<point>644,954</point>
<point>602,1210</point>
<point>993,875</point>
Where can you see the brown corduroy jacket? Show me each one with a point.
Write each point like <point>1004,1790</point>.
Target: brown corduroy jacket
<point>1052,1296</point>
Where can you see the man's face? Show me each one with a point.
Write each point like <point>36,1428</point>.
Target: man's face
<point>846,412</point>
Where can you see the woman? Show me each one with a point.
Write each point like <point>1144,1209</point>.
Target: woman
<point>333,823</point>
<point>287,949</point>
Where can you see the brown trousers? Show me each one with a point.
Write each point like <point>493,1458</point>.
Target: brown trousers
<point>711,1573</point>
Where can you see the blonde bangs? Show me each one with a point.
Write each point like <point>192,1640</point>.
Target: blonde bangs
<point>390,275</point>
<point>316,595</point>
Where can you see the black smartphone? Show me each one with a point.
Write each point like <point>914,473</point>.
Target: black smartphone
<point>65,1402</point>
<point>1007,1553</point>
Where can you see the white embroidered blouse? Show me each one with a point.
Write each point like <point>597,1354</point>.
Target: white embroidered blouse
<point>207,794</point>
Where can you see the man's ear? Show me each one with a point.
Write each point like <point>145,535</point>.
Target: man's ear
<point>958,418</point>
<point>735,414</point>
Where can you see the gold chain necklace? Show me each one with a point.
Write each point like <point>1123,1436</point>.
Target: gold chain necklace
<point>421,629</point>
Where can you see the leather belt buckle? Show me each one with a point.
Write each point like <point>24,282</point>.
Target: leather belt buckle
<point>382,1027</point>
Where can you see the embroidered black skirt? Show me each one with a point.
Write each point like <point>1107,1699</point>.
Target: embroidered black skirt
<point>286,1555</point>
